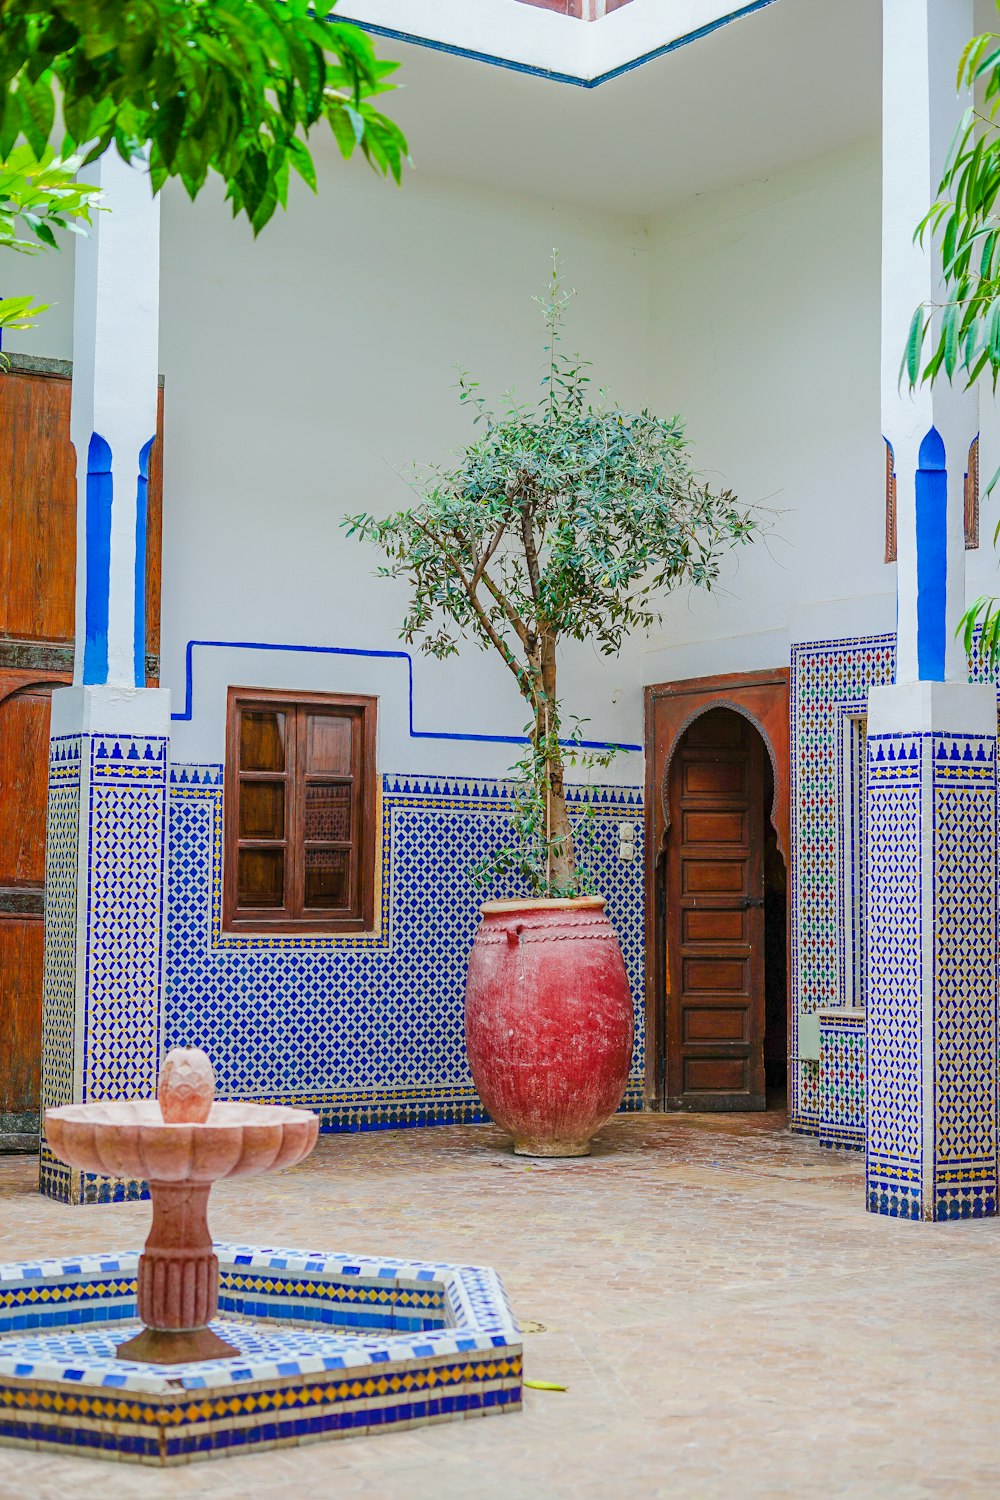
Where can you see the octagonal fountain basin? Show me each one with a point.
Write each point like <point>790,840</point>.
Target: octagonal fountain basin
<point>329,1345</point>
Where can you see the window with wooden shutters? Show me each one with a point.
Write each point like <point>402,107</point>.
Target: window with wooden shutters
<point>300,812</point>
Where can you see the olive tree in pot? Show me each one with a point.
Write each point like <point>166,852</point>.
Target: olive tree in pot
<point>566,519</point>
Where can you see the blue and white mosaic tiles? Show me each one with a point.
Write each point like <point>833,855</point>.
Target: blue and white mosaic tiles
<point>931,1018</point>
<point>842,1078</point>
<point>348,1345</point>
<point>830,682</point>
<point>104,954</point>
<point>368,1029</point>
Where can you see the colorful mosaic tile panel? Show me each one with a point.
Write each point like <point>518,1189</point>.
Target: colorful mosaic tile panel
<point>368,1029</point>
<point>842,1079</point>
<point>65,1389</point>
<point>965,997</point>
<point>103,987</point>
<point>125,914</point>
<point>932,1035</point>
<point>830,681</point>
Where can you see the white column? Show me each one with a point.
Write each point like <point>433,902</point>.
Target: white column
<point>115,339</point>
<point>931,1023</point>
<point>107,809</point>
<point>931,429</point>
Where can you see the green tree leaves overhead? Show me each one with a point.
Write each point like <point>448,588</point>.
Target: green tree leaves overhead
<point>569,519</point>
<point>231,87</point>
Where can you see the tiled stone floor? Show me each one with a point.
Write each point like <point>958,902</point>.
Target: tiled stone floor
<point>727,1320</point>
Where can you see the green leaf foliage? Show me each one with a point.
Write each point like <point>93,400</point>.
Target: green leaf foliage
<point>39,193</point>
<point>231,87</point>
<point>565,519</point>
<point>961,337</point>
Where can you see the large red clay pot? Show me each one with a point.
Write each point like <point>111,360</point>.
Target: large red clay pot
<point>548,1021</point>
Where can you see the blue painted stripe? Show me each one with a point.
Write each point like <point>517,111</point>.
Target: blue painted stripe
<point>932,558</point>
<point>141,518</point>
<point>393,34</point>
<point>415,734</point>
<point>98,552</point>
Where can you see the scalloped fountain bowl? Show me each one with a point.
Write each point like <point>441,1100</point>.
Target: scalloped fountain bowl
<point>180,1142</point>
<point>132,1139</point>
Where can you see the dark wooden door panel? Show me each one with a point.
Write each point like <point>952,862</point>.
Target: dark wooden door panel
<point>24,760</point>
<point>38,515</point>
<point>37,509</point>
<point>715,917</point>
<point>37,618</point>
<point>21,953</point>
<point>25,705</point>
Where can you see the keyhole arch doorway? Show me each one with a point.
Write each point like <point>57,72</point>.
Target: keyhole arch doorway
<point>718,893</point>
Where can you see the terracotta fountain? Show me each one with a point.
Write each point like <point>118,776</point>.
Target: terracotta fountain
<point>181,1143</point>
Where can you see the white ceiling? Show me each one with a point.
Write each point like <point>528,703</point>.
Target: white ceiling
<point>795,80</point>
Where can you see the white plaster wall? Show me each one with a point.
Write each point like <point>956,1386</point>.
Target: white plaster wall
<point>766,320</point>
<point>306,368</point>
<point>303,372</point>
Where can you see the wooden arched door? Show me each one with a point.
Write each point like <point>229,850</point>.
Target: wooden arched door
<point>717,851</point>
<point>715,869</point>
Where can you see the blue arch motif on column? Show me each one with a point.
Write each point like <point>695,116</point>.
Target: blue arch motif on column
<point>98,553</point>
<point>141,514</point>
<point>932,557</point>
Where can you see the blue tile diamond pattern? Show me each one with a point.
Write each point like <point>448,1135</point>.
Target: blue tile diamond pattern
<point>368,1029</point>
<point>931,1021</point>
<point>104,986</point>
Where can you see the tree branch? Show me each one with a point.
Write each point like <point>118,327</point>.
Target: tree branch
<point>486,623</point>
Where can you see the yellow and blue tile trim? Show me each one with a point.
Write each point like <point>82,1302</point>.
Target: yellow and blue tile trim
<point>433,1343</point>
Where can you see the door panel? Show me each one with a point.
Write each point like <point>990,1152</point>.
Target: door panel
<point>715,917</point>
<point>25,703</point>
<point>37,509</point>
<point>37,609</point>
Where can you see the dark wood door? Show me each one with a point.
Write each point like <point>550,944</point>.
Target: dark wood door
<point>37,609</point>
<point>24,745</point>
<point>714,918</point>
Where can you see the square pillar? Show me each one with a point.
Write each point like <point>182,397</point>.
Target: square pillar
<point>107,812</point>
<point>931,1032</point>
<point>105,895</point>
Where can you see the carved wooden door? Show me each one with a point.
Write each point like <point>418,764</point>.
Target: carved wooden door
<point>714,917</point>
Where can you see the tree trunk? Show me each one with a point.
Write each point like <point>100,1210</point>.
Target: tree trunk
<point>562,857</point>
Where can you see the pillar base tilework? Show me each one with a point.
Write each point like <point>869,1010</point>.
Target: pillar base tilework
<point>105,886</point>
<point>842,1079</point>
<point>931,1018</point>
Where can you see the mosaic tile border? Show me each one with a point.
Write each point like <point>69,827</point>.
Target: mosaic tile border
<point>433,1342</point>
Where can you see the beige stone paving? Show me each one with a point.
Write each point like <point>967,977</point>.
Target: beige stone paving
<point>726,1317</point>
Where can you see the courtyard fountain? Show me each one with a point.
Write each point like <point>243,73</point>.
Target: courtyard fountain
<point>239,1346</point>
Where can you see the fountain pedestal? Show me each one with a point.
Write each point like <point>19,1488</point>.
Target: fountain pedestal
<point>178,1287</point>
<point>180,1143</point>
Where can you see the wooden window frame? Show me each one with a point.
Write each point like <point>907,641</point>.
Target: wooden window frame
<point>297,706</point>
